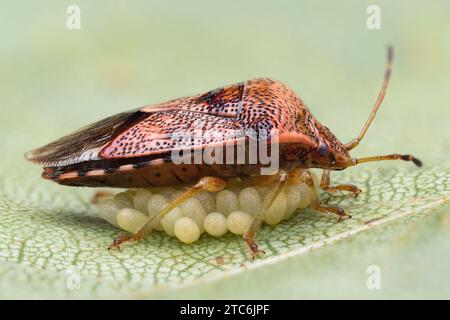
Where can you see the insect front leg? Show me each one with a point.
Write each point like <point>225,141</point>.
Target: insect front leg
<point>210,184</point>
<point>325,185</point>
<point>249,236</point>
<point>316,204</point>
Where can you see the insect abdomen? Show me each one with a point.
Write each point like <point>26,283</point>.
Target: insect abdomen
<point>154,174</point>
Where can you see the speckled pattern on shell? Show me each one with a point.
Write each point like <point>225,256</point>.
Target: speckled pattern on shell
<point>226,113</point>
<point>134,149</point>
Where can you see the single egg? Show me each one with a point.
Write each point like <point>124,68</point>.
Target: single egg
<point>293,200</point>
<point>130,219</point>
<point>207,200</point>
<point>124,199</point>
<point>215,224</point>
<point>249,200</point>
<point>186,230</point>
<point>140,200</point>
<point>277,210</point>
<point>238,222</point>
<point>108,210</point>
<point>226,202</point>
<point>168,221</point>
<point>193,209</point>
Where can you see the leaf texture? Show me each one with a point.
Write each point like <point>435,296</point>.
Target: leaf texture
<point>52,238</point>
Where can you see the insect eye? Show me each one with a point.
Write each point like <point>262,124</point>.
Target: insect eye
<point>323,149</point>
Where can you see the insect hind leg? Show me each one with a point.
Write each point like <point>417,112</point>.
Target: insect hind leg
<point>210,184</point>
<point>249,236</point>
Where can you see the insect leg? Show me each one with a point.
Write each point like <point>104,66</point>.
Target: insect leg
<point>325,185</point>
<point>250,235</point>
<point>316,204</point>
<point>210,184</point>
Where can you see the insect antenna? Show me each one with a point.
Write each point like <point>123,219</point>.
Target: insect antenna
<point>394,156</point>
<point>387,75</point>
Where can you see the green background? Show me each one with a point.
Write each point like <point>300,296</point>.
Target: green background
<point>128,54</point>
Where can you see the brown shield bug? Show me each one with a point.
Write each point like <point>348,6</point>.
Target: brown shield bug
<point>135,149</point>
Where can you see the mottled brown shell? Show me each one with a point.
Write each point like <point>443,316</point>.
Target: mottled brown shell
<point>133,149</point>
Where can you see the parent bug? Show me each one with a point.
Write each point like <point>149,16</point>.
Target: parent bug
<point>134,149</point>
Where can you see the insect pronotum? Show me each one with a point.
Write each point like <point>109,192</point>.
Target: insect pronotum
<point>135,149</point>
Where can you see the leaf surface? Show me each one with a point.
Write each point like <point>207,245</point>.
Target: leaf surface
<point>51,236</point>
<point>54,81</point>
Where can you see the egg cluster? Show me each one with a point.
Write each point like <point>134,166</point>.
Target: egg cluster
<point>231,209</point>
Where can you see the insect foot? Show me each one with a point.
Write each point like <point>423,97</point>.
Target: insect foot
<point>342,215</point>
<point>336,210</point>
<point>252,246</point>
<point>120,240</point>
<point>356,191</point>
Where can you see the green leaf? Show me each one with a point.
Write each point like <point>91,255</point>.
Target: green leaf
<point>54,81</point>
<point>50,240</point>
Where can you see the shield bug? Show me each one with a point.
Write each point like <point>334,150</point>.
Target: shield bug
<point>136,149</point>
